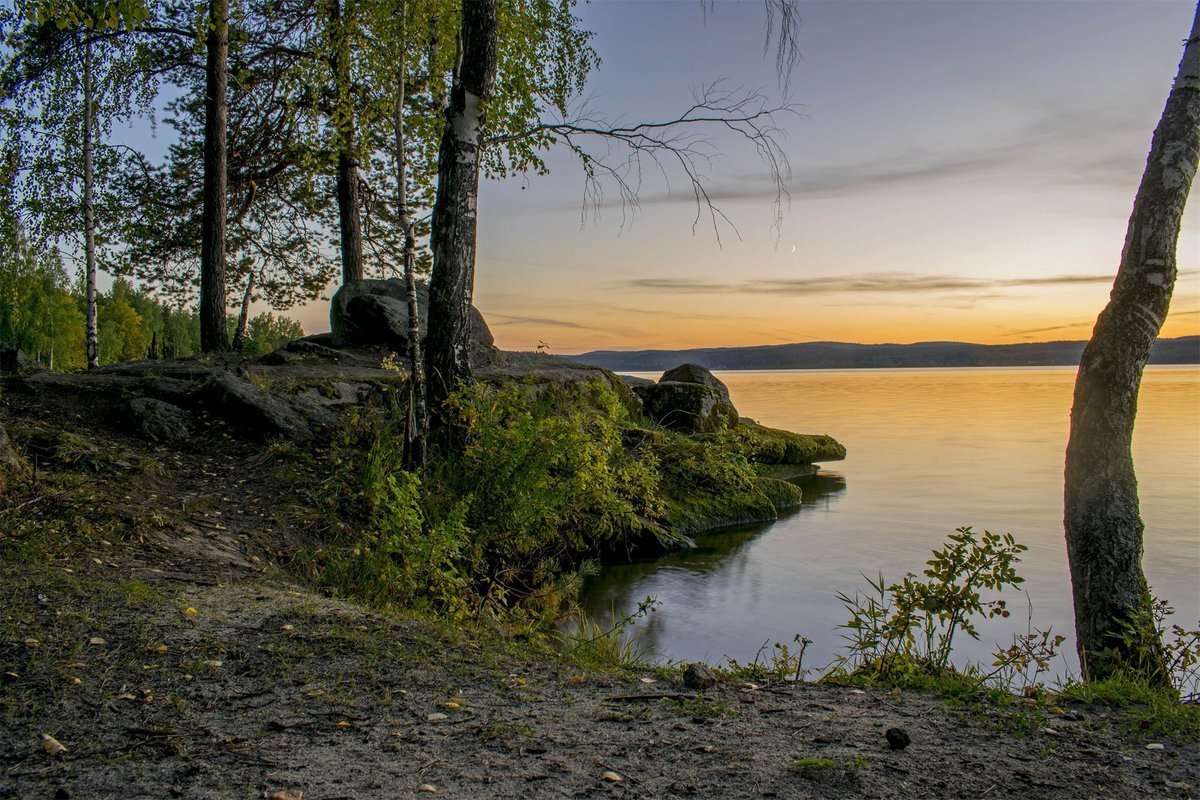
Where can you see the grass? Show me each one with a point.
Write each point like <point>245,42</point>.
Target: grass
<point>1139,705</point>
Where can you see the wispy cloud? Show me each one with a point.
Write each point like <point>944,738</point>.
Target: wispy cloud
<point>1080,145</point>
<point>870,282</point>
<point>512,319</point>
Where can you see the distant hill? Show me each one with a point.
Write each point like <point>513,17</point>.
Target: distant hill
<point>842,355</point>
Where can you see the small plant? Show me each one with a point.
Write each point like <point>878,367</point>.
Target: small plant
<point>777,663</point>
<point>910,626</point>
<point>611,645</point>
<point>700,709</point>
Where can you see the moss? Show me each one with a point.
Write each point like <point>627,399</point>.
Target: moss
<point>773,446</point>
<point>690,511</point>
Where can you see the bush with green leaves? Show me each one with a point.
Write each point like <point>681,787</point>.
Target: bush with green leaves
<point>910,626</point>
<point>505,525</point>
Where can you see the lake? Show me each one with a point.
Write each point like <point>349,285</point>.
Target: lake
<point>929,450</point>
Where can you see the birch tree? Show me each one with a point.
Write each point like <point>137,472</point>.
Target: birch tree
<point>67,81</point>
<point>1113,620</point>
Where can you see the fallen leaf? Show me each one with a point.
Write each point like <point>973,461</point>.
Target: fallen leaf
<point>1155,746</point>
<point>611,777</point>
<point>452,706</point>
<point>343,724</point>
<point>436,717</point>
<point>191,612</point>
<point>52,746</point>
<point>31,642</point>
<point>648,680</point>
<point>288,794</point>
<point>428,788</point>
<point>97,640</point>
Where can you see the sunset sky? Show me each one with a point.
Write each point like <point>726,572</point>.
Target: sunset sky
<point>960,171</point>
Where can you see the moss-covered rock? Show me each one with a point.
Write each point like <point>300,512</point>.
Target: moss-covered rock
<point>773,446</point>
<point>690,511</point>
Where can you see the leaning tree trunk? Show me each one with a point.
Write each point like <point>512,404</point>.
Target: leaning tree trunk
<point>1104,528</point>
<point>348,190</point>
<point>91,336</point>
<point>447,348</point>
<point>415,451</point>
<point>213,336</point>
<point>239,332</point>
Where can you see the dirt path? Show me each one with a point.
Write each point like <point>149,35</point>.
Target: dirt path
<point>171,661</point>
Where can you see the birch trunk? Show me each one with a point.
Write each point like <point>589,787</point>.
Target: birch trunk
<point>416,401</point>
<point>447,350</point>
<point>213,336</point>
<point>92,338</point>
<point>1103,524</point>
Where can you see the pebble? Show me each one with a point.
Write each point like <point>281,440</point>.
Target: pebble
<point>897,738</point>
<point>698,676</point>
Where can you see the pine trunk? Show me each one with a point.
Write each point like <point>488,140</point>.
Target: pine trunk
<point>447,348</point>
<point>1104,528</point>
<point>348,190</point>
<point>213,336</point>
<point>91,336</point>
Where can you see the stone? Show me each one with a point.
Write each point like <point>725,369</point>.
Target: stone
<point>773,446</point>
<point>12,360</point>
<point>160,421</point>
<point>699,677</point>
<point>687,407</point>
<point>694,373</point>
<point>243,405</point>
<point>897,738</point>
<point>375,312</point>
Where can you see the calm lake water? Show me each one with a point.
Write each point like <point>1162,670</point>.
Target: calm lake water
<point>929,450</point>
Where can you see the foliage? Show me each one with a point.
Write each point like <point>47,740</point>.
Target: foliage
<point>613,644</point>
<point>502,528</point>
<point>38,312</point>
<point>910,626</point>
<point>267,332</point>
<point>779,662</point>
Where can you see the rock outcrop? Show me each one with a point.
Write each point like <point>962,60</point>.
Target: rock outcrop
<point>375,312</point>
<point>689,399</point>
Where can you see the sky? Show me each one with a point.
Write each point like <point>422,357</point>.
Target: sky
<point>959,171</point>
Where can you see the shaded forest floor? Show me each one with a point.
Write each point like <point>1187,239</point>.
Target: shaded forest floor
<point>148,628</point>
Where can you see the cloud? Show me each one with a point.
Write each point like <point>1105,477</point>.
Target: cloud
<point>511,319</point>
<point>1076,145</point>
<point>869,282</point>
<point>1031,331</point>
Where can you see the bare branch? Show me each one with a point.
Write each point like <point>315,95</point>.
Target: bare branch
<point>683,145</point>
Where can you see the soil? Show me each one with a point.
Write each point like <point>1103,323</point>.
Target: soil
<point>152,628</point>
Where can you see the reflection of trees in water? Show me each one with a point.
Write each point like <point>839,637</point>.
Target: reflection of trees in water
<point>619,588</point>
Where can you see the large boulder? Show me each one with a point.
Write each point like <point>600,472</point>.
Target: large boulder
<point>374,312</point>
<point>688,399</point>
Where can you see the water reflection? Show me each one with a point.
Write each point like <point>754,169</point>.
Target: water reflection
<point>689,577</point>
